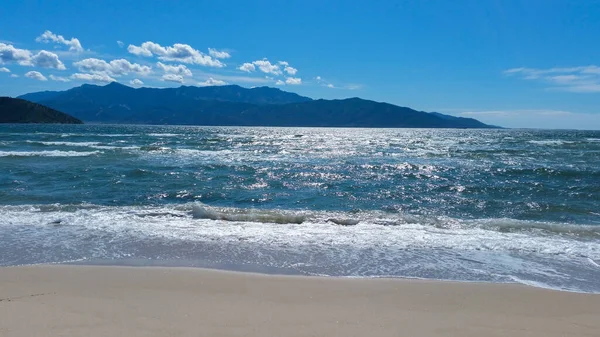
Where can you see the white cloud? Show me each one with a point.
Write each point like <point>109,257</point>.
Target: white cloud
<point>113,68</point>
<point>59,78</point>
<point>136,82</point>
<point>24,57</point>
<point>290,70</point>
<point>14,75</point>
<point>179,69</point>
<point>172,78</point>
<point>179,52</point>
<point>48,36</point>
<point>120,43</point>
<point>8,53</point>
<point>330,85</point>
<point>266,67</point>
<point>46,59</point>
<point>219,54</point>
<point>96,77</point>
<point>247,67</point>
<point>139,51</point>
<point>36,75</point>
<point>4,70</point>
<point>211,82</point>
<point>280,82</point>
<point>293,80</point>
<point>318,78</point>
<point>583,79</point>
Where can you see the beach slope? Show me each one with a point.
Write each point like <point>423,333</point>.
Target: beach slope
<point>123,301</point>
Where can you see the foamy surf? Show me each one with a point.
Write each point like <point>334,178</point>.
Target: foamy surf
<point>53,153</point>
<point>311,242</point>
<point>202,211</point>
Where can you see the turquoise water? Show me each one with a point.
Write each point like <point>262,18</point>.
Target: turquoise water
<point>478,205</point>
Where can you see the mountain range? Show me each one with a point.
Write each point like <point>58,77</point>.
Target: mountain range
<point>14,110</point>
<point>232,105</point>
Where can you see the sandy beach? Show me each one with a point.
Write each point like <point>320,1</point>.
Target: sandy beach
<point>124,301</point>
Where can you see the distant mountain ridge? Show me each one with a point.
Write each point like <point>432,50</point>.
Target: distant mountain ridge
<point>15,110</point>
<point>233,105</point>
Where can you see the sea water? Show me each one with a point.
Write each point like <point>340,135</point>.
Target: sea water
<point>469,205</point>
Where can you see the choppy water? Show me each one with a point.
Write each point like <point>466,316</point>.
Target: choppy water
<point>479,205</point>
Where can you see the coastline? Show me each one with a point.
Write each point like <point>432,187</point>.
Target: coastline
<point>75,300</point>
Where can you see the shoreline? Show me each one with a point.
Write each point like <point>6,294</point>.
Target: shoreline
<point>75,300</point>
<point>275,271</point>
<point>259,270</point>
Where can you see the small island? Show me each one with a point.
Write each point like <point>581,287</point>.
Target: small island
<point>15,110</point>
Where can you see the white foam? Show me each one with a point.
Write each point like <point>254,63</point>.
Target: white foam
<point>82,144</point>
<point>201,211</point>
<point>54,153</point>
<point>550,142</point>
<point>302,227</point>
<point>164,135</point>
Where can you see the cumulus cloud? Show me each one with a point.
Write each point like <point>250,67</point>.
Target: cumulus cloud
<point>36,75</point>
<point>14,75</point>
<point>97,77</point>
<point>219,54</point>
<point>287,68</point>
<point>8,53</point>
<point>280,82</point>
<point>113,68</point>
<point>59,78</point>
<point>136,82</point>
<point>293,80</point>
<point>583,79</point>
<point>24,57</point>
<point>247,67</point>
<point>330,85</point>
<point>178,52</point>
<point>120,43</point>
<point>211,82</point>
<point>290,70</point>
<point>179,69</point>
<point>172,78</point>
<point>46,59</point>
<point>4,70</point>
<point>139,51</point>
<point>267,67</point>
<point>48,36</point>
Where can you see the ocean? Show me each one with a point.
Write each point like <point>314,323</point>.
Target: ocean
<point>509,206</point>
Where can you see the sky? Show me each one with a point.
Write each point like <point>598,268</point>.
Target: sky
<point>529,63</point>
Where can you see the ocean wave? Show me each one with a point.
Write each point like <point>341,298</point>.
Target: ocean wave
<point>82,144</point>
<point>370,243</point>
<point>163,134</point>
<point>202,211</point>
<point>551,142</point>
<point>54,153</point>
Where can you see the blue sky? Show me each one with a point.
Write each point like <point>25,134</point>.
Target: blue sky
<point>530,63</point>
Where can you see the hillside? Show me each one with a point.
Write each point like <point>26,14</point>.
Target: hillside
<point>14,110</point>
<point>234,106</point>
